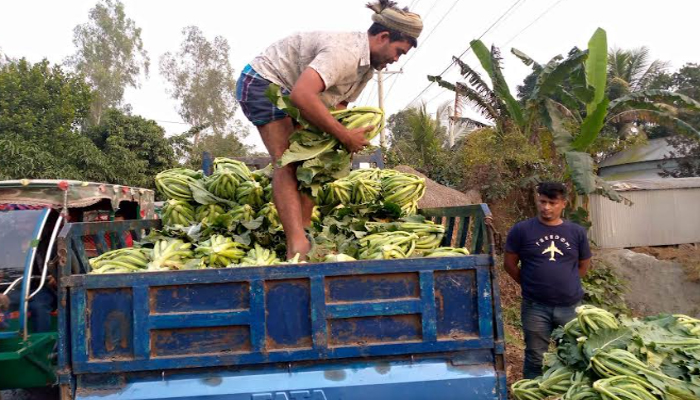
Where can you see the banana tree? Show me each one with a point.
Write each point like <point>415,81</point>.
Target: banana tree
<point>495,103</point>
<point>585,69</point>
<point>569,98</point>
<point>574,135</point>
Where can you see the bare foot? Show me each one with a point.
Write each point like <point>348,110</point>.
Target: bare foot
<point>302,248</point>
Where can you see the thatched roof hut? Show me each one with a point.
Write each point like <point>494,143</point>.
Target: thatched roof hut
<point>437,195</point>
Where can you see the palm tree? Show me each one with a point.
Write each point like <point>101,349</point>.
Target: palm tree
<point>450,116</point>
<point>632,70</point>
<point>426,135</point>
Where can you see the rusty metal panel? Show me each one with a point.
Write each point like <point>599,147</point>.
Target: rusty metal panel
<point>287,309</point>
<point>281,314</point>
<point>192,298</point>
<point>200,341</point>
<point>110,324</point>
<point>361,331</point>
<point>376,287</point>
<point>456,304</point>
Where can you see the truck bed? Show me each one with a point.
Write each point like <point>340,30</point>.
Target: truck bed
<point>334,325</point>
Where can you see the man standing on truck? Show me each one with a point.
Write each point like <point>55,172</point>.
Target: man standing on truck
<point>554,254</point>
<point>319,70</point>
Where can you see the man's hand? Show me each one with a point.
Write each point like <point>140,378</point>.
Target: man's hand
<point>305,96</point>
<point>510,263</point>
<point>583,267</point>
<point>355,139</point>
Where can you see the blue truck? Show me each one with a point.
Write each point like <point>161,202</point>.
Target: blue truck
<point>386,329</point>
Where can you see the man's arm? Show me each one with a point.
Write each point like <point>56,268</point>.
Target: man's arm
<point>510,263</point>
<point>584,254</point>
<point>583,267</point>
<point>305,96</point>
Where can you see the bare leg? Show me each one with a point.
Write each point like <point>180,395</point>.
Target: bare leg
<point>307,208</point>
<point>285,194</point>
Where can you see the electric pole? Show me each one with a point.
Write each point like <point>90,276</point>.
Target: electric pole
<point>453,121</point>
<point>380,91</point>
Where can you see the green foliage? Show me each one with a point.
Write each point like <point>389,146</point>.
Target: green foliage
<point>656,354</point>
<point>202,80</point>
<point>630,70</point>
<point>685,81</point>
<point>686,154</point>
<point>490,61</point>
<point>41,108</point>
<point>569,97</point>
<point>496,104</point>
<point>497,164</point>
<point>41,100</point>
<point>418,140</point>
<point>110,54</point>
<point>579,215</point>
<point>596,68</point>
<point>136,147</point>
<point>426,135</point>
<point>603,288</point>
<point>43,111</point>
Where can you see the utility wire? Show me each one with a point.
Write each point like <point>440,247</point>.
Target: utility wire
<point>465,51</point>
<point>533,22</point>
<point>425,17</point>
<point>423,42</point>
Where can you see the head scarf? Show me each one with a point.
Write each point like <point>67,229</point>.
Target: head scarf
<point>404,21</point>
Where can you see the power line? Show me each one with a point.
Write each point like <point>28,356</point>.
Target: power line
<point>465,51</point>
<point>533,22</point>
<point>435,97</point>
<point>425,17</point>
<point>423,41</point>
<point>510,12</point>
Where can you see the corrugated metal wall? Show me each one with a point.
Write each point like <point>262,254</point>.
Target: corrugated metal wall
<point>657,217</point>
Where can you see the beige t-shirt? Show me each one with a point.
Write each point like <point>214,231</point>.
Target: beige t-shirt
<point>340,58</point>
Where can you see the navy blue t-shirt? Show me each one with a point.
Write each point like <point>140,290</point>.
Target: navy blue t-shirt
<point>549,257</point>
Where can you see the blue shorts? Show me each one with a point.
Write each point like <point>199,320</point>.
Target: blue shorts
<point>250,93</point>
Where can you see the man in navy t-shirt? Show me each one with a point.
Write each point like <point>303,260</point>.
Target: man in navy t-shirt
<point>554,255</point>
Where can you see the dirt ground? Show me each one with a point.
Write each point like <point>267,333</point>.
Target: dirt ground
<point>655,286</point>
<point>688,255</point>
<point>510,307</point>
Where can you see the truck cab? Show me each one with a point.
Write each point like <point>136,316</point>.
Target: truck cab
<point>32,213</point>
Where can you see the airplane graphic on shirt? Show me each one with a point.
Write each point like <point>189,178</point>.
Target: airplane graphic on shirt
<point>552,249</point>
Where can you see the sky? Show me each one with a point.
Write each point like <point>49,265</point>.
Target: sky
<point>37,29</point>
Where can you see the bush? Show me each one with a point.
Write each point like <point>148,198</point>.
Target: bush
<point>604,289</point>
